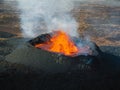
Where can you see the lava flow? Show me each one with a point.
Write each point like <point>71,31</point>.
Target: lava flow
<point>60,43</point>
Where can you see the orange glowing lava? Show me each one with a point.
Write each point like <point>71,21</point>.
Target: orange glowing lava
<point>60,43</point>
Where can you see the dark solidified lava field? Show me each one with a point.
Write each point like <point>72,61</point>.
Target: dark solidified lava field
<point>101,22</point>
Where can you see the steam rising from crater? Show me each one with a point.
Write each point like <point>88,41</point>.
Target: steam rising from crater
<point>43,16</point>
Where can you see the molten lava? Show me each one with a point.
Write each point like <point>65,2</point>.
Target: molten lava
<point>60,43</point>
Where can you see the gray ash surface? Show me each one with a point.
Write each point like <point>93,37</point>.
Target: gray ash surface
<point>6,35</point>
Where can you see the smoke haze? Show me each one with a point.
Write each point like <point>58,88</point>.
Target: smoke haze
<point>43,16</point>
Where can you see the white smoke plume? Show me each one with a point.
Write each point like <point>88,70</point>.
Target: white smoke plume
<point>43,16</point>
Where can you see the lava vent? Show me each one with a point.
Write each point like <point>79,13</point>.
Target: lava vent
<point>56,52</point>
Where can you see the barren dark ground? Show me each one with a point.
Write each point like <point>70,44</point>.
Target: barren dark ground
<point>100,22</point>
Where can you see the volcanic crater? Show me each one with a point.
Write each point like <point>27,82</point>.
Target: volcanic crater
<point>66,56</point>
